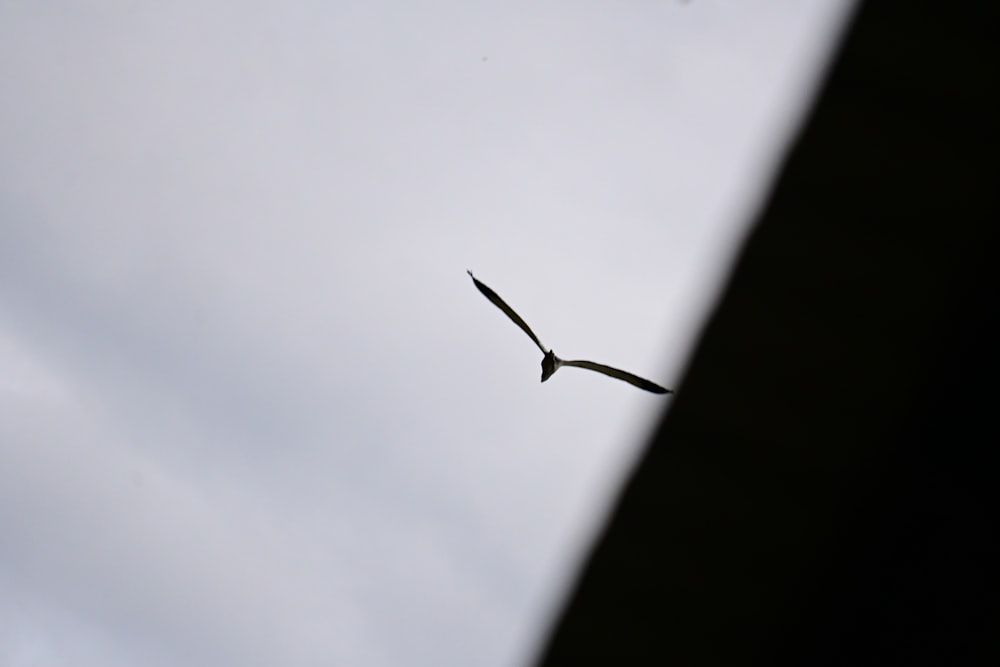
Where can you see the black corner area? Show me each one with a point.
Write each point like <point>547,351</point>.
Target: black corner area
<point>823,488</point>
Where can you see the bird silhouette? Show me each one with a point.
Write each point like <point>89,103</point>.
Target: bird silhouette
<point>551,363</point>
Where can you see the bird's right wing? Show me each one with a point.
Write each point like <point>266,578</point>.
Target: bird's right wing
<point>499,303</point>
<point>620,374</point>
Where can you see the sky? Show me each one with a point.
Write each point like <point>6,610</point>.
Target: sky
<point>252,409</point>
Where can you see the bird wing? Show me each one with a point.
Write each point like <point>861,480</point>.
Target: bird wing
<point>620,374</point>
<point>502,305</point>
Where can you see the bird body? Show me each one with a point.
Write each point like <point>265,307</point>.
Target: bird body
<point>550,362</point>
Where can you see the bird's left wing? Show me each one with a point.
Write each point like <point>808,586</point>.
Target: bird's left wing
<point>620,374</point>
<point>502,305</point>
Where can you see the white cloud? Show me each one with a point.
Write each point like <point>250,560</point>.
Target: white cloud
<point>252,410</point>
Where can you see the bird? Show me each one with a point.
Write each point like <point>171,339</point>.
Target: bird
<point>550,362</point>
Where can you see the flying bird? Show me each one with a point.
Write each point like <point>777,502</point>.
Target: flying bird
<point>551,363</point>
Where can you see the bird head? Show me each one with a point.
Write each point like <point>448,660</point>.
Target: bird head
<point>549,365</point>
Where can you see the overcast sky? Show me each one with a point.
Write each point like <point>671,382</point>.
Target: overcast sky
<point>253,412</point>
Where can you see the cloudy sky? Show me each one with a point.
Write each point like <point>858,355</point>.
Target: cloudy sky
<point>253,412</point>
